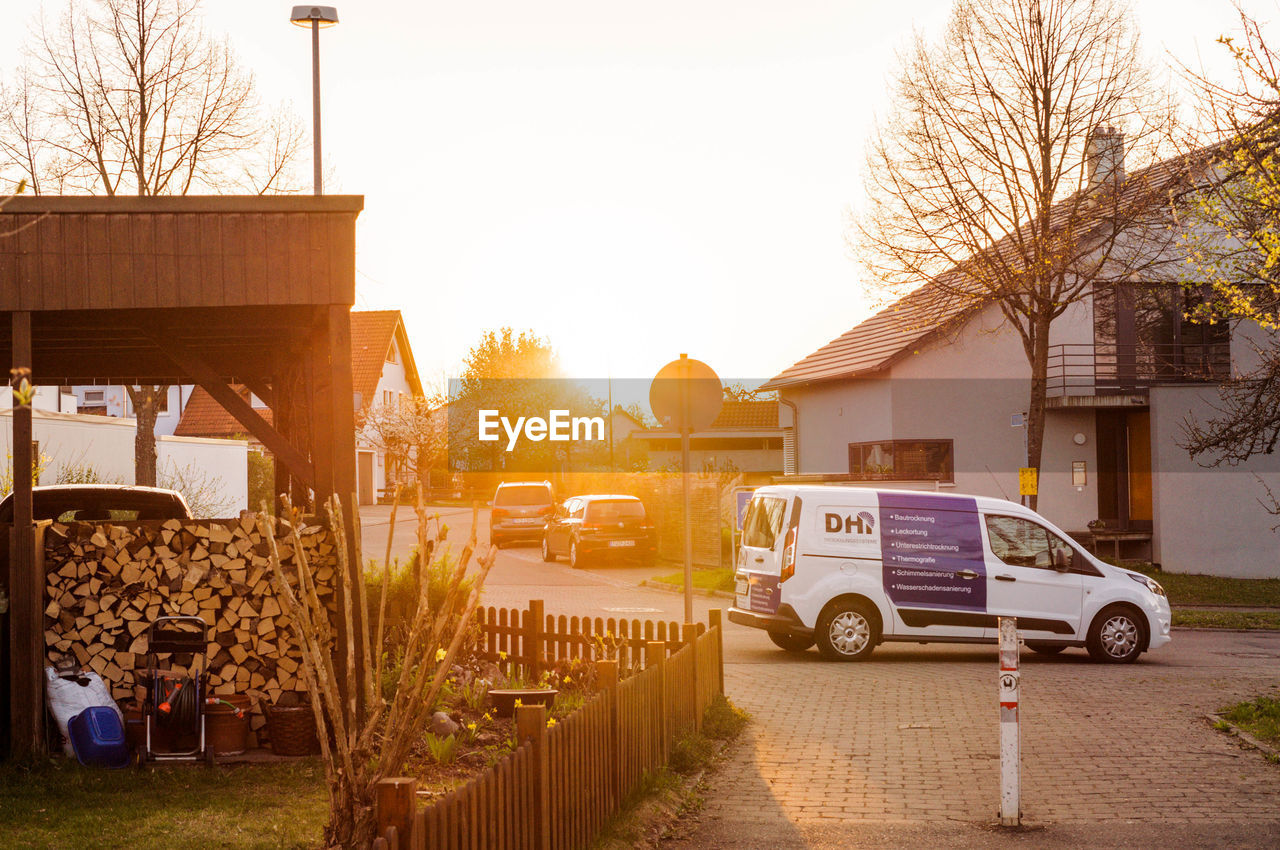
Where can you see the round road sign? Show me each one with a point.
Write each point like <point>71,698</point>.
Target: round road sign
<point>686,385</point>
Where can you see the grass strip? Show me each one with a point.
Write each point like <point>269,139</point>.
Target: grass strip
<point>717,578</point>
<point>1213,590</point>
<point>1196,619</point>
<point>671,792</point>
<point>59,804</point>
<point>1259,717</point>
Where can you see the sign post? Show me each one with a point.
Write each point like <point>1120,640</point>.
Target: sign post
<point>686,395</point>
<point>1010,744</point>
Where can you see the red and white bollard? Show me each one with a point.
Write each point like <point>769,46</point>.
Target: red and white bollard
<point>1010,744</point>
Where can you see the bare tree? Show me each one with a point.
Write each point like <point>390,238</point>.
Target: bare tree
<point>413,433</point>
<point>133,97</point>
<point>998,178</point>
<point>1232,246</point>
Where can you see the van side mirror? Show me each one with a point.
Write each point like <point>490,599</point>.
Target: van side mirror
<point>1062,559</point>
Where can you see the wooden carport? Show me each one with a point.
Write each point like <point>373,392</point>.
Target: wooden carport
<point>195,290</point>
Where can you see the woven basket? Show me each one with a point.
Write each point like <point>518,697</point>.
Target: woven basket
<point>292,729</point>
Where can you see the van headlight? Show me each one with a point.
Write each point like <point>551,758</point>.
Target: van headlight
<point>1150,583</point>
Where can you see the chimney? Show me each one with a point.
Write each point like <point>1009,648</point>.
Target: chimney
<point>1104,158</point>
<point>1104,155</point>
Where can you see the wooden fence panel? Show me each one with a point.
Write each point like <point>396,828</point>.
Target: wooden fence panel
<point>521,642</point>
<point>593,757</point>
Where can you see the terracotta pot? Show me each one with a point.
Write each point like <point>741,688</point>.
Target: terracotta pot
<point>224,733</point>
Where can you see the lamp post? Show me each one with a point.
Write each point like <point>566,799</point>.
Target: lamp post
<point>315,17</point>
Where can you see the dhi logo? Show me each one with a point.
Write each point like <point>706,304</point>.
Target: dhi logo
<point>863,523</point>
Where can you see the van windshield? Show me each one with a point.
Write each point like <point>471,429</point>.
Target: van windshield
<point>763,521</point>
<point>533,494</point>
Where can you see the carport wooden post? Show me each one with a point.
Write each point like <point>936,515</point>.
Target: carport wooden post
<point>26,589</point>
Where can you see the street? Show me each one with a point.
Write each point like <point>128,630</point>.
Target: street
<point>902,749</point>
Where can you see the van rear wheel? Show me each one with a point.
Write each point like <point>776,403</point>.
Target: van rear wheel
<point>848,630</point>
<point>790,642</point>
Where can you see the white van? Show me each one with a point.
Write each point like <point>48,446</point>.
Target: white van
<point>847,568</point>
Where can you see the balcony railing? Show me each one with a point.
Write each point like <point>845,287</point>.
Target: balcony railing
<point>1111,369</point>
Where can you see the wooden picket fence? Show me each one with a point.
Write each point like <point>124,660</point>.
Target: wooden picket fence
<point>531,641</point>
<point>561,785</point>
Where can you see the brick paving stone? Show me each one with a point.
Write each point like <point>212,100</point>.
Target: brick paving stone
<point>912,736</point>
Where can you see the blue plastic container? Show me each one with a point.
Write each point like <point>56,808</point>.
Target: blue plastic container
<point>97,736</point>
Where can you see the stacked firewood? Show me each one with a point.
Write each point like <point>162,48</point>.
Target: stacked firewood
<point>107,583</point>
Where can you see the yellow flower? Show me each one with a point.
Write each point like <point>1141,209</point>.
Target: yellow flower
<point>487,716</point>
<point>551,721</point>
<point>440,654</point>
<point>568,679</point>
<point>471,726</point>
<point>502,656</point>
<point>519,702</point>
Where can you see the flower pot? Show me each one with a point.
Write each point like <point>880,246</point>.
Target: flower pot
<point>292,729</point>
<point>504,700</point>
<point>225,733</point>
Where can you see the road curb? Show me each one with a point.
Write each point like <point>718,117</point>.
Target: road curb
<point>671,588</point>
<point>1244,736</point>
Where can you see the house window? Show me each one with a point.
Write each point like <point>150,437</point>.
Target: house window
<point>1148,333</point>
<point>95,397</point>
<point>902,460</point>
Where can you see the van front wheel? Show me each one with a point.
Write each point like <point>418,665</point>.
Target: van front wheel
<point>790,642</point>
<point>1117,636</point>
<point>847,631</point>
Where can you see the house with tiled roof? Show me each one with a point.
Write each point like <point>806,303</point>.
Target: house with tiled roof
<point>383,373</point>
<point>931,395</point>
<point>745,436</point>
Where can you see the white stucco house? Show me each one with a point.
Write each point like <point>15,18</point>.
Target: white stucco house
<point>70,445</point>
<point>914,399</point>
<point>113,400</point>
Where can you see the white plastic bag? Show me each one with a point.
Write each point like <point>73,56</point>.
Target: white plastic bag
<point>67,698</point>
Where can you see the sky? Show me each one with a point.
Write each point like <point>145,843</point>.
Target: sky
<point>629,181</point>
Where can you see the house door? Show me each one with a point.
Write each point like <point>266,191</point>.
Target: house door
<point>364,477</point>
<point>1124,468</point>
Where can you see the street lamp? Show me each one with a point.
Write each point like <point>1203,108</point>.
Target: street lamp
<point>315,17</point>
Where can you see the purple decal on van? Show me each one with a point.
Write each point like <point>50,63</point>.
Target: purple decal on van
<point>764,593</point>
<point>932,549</point>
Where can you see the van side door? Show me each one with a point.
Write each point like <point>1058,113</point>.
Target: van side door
<point>1030,576</point>
<point>934,567</point>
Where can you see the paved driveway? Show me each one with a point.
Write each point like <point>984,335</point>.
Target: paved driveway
<point>903,749</point>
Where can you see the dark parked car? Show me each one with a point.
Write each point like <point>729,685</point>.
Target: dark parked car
<point>520,512</point>
<point>100,503</point>
<point>586,528</point>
